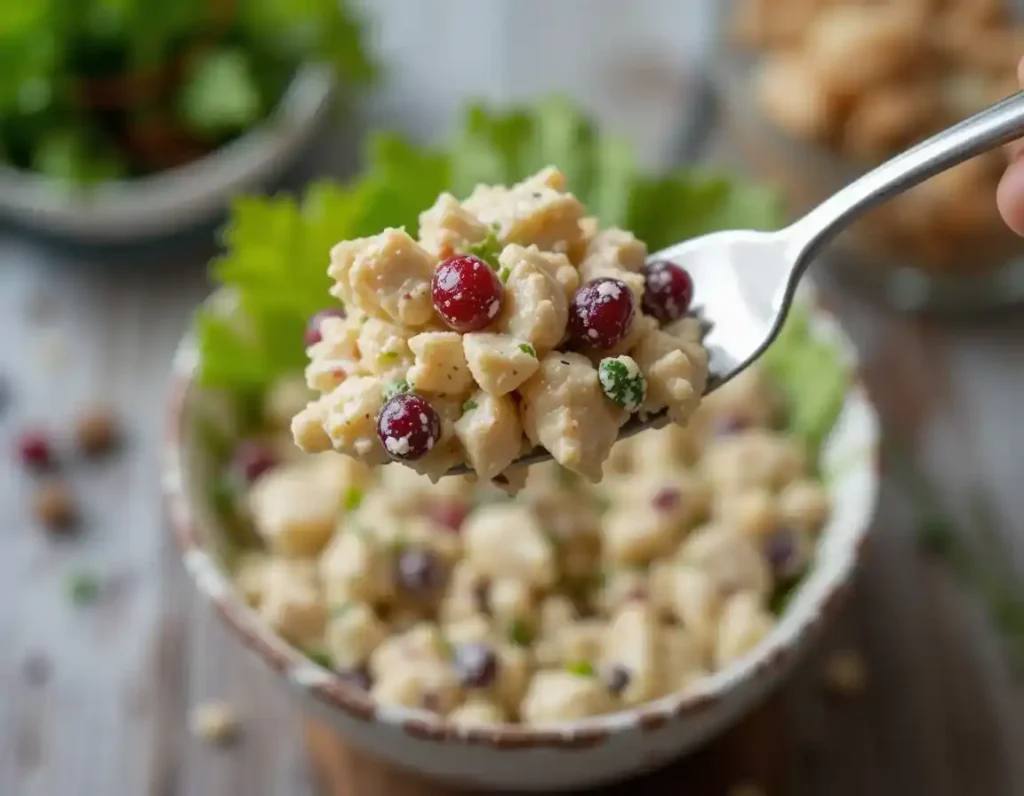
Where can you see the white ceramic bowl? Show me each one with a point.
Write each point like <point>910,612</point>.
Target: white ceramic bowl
<point>577,754</point>
<point>123,211</point>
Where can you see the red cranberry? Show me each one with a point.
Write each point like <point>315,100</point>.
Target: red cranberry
<point>450,515</point>
<point>34,450</point>
<point>617,678</point>
<point>668,291</point>
<point>466,293</point>
<point>408,427</point>
<point>601,313</point>
<point>780,550</point>
<point>253,458</point>
<point>418,572</point>
<point>666,499</point>
<point>729,424</point>
<point>313,335</point>
<point>476,664</point>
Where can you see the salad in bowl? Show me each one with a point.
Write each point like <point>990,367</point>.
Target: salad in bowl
<point>577,631</point>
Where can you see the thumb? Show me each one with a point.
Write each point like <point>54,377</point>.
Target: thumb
<point>1010,194</point>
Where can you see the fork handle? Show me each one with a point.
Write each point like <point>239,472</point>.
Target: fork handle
<point>992,127</point>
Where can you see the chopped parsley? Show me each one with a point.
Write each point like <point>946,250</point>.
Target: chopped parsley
<point>340,609</point>
<point>488,249</point>
<point>581,668</point>
<point>520,632</point>
<point>353,497</point>
<point>622,382</point>
<point>526,348</point>
<point>503,273</point>
<point>83,588</point>
<point>395,387</point>
<point>469,406</point>
<point>319,655</point>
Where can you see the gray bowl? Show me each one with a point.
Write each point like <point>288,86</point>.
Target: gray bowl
<point>128,211</point>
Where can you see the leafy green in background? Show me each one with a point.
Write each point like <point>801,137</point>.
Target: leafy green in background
<point>96,89</point>
<point>277,248</point>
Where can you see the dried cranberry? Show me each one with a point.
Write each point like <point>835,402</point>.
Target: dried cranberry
<point>780,549</point>
<point>450,515</point>
<point>357,678</point>
<point>476,664</point>
<point>408,427</point>
<point>667,499</point>
<point>668,291</point>
<point>34,450</point>
<point>313,335</point>
<point>418,571</point>
<point>253,458</point>
<point>601,313</point>
<point>466,293</point>
<point>617,679</point>
<point>726,425</point>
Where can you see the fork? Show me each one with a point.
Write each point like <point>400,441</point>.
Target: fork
<point>744,281</point>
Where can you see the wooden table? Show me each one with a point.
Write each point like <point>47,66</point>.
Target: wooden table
<point>94,699</point>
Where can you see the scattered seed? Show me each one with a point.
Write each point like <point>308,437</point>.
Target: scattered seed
<point>54,506</point>
<point>96,431</point>
<point>214,723</point>
<point>846,673</point>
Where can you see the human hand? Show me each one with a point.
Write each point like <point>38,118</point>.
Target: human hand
<point>1010,195</point>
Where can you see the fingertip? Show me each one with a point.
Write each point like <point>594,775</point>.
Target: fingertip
<point>1010,196</point>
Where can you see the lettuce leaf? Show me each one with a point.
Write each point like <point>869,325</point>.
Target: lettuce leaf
<point>276,248</point>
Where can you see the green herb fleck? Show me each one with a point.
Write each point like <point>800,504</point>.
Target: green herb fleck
<point>83,588</point>
<point>353,497</point>
<point>601,502</point>
<point>488,249</point>
<point>386,357</point>
<point>526,348</point>
<point>520,632</point>
<point>469,406</point>
<point>395,387</point>
<point>504,273</point>
<point>340,609</point>
<point>581,669</point>
<point>319,655</point>
<point>622,382</point>
<point>783,596</point>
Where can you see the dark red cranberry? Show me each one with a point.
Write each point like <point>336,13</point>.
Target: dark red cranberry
<point>667,499</point>
<point>408,427</point>
<point>450,515</point>
<point>253,458</point>
<point>780,549</point>
<point>357,678</point>
<point>727,425</point>
<point>668,291</point>
<point>313,335</point>
<point>35,451</point>
<point>419,572</point>
<point>476,664</point>
<point>601,313</point>
<point>617,679</point>
<point>466,293</point>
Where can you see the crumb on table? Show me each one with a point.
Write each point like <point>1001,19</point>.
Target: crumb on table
<point>845,673</point>
<point>214,722</point>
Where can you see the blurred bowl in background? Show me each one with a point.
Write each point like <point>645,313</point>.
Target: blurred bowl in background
<point>941,247</point>
<point>163,204</point>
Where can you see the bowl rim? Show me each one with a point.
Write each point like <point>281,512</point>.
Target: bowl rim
<point>177,197</point>
<point>329,690</point>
